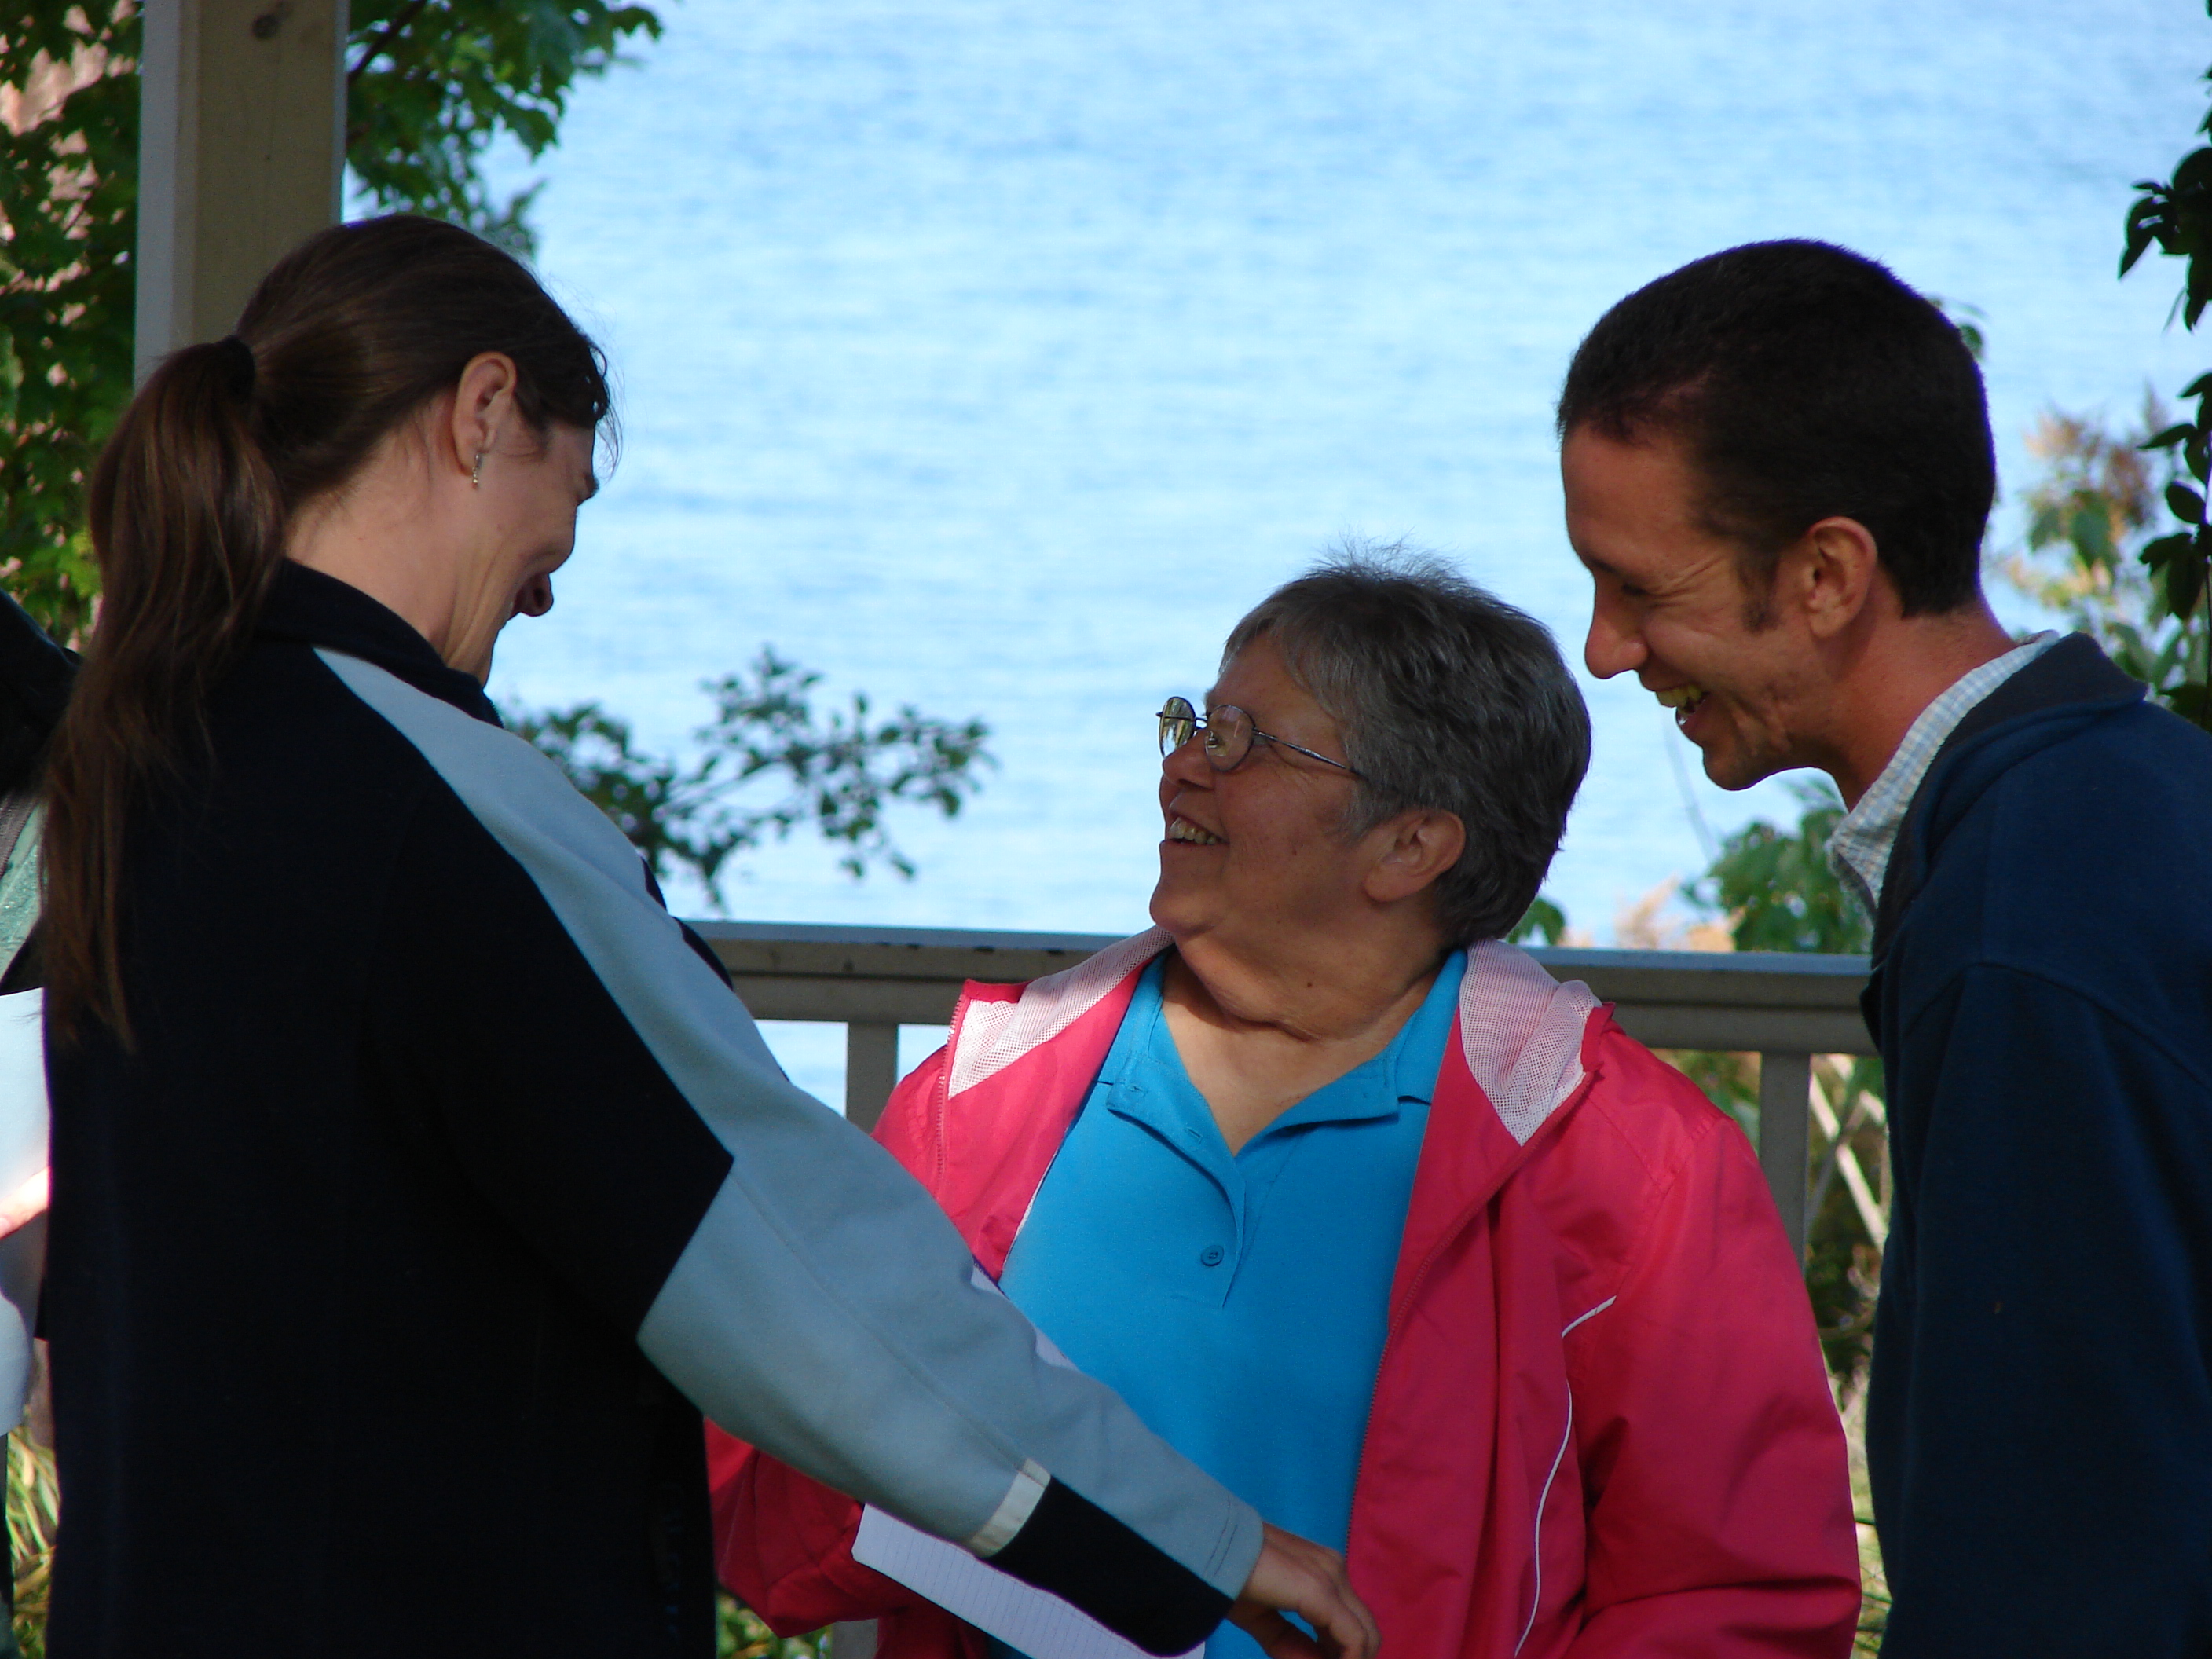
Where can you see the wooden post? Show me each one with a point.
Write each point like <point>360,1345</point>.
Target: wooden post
<point>241,153</point>
<point>1785,1099</point>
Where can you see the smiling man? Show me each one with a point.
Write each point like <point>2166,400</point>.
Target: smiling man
<point>1778,470</point>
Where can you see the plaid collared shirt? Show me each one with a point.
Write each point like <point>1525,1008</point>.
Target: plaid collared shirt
<point>1859,850</point>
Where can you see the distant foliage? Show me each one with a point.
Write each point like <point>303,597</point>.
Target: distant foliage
<point>739,1634</point>
<point>1545,923</point>
<point>1968,319</point>
<point>840,769</point>
<point>431,83</point>
<point>1775,885</point>
<point>33,1516</point>
<point>2092,511</point>
<point>69,198</point>
<point>2174,214</point>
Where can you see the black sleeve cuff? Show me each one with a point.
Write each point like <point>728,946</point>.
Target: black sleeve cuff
<point>1077,1552</point>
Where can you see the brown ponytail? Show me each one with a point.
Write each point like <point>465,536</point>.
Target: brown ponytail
<point>350,337</point>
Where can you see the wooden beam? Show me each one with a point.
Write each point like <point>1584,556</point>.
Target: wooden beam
<point>241,154</point>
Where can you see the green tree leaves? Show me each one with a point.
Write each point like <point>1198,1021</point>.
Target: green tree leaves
<point>1775,885</point>
<point>1544,921</point>
<point>840,769</point>
<point>2090,557</point>
<point>2175,215</point>
<point>431,83</point>
<point>69,171</point>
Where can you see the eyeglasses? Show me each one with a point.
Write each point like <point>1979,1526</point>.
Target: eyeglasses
<point>1229,735</point>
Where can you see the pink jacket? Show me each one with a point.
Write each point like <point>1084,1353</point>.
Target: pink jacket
<point>1601,1425</point>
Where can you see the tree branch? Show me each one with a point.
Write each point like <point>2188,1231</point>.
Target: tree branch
<point>391,32</point>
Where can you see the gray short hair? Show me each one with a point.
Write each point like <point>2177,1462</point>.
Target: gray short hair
<point>1450,701</point>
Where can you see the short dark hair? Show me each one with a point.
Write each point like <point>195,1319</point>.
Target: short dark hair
<point>1806,382</point>
<point>1450,701</point>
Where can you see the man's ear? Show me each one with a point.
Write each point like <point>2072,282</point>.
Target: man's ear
<point>1834,568</point>
<point>483,408</point>
<point>1418,848</point>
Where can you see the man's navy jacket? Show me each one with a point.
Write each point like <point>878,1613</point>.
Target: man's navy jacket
<point>2040,1427</point>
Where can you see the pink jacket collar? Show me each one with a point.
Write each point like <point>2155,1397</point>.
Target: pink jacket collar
<point>1520,1058</point>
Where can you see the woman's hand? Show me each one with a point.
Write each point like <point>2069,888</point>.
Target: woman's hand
<point>24,1204</point>
<point>1296,1575</point>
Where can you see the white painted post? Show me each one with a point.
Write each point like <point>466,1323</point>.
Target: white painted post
<point>241,152</point>
<point>871,1070</point>
<point>1785,1099</point>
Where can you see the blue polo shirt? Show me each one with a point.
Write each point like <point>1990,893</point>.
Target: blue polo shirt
<point>1237,1302</point>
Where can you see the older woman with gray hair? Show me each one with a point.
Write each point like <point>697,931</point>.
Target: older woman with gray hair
<point>1405,1243</point>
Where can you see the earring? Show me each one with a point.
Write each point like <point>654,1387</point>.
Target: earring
<point>476,472</point>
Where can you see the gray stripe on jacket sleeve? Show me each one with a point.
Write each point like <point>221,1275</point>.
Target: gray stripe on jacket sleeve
<point>823,1309</point>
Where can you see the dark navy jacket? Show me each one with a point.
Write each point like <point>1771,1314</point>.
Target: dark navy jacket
<point>35,675</point>
<point>2040,1427</point>
<point>446,1186</point>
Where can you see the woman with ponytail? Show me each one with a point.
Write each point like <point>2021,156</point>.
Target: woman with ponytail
<point>417,1181</point>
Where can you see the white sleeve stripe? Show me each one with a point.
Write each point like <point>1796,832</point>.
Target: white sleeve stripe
<point>1013,1513</point>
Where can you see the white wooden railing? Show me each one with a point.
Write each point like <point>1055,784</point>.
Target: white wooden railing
<point>1784,1008</point>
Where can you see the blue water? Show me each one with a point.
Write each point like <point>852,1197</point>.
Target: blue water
<point>996,357</point>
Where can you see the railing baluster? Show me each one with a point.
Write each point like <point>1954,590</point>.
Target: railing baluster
<point>871,1070</point>
<point>1785,1102</point>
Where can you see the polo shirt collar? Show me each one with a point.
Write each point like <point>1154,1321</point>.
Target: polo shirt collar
<point>1146,1083</point>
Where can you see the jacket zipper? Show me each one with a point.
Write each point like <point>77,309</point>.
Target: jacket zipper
<point>1459,1224</point>
<point>942,1102</point>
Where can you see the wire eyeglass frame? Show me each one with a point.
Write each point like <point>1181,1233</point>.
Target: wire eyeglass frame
<point>1230,735</point>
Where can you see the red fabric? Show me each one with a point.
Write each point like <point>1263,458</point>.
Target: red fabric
<point>1698,1503</point>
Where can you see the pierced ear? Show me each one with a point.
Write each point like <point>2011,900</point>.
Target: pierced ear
<point>483,406</point>
<point>1422,847</point>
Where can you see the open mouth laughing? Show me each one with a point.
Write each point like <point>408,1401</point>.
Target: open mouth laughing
<point>1181,829</point>
<point>1682,699</point>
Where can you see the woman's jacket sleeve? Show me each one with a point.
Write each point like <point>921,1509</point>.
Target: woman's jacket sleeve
<point>783,1543</point>
<point>618,1110</point>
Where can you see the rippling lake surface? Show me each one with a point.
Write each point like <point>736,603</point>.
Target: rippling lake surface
<point>996,357</point>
